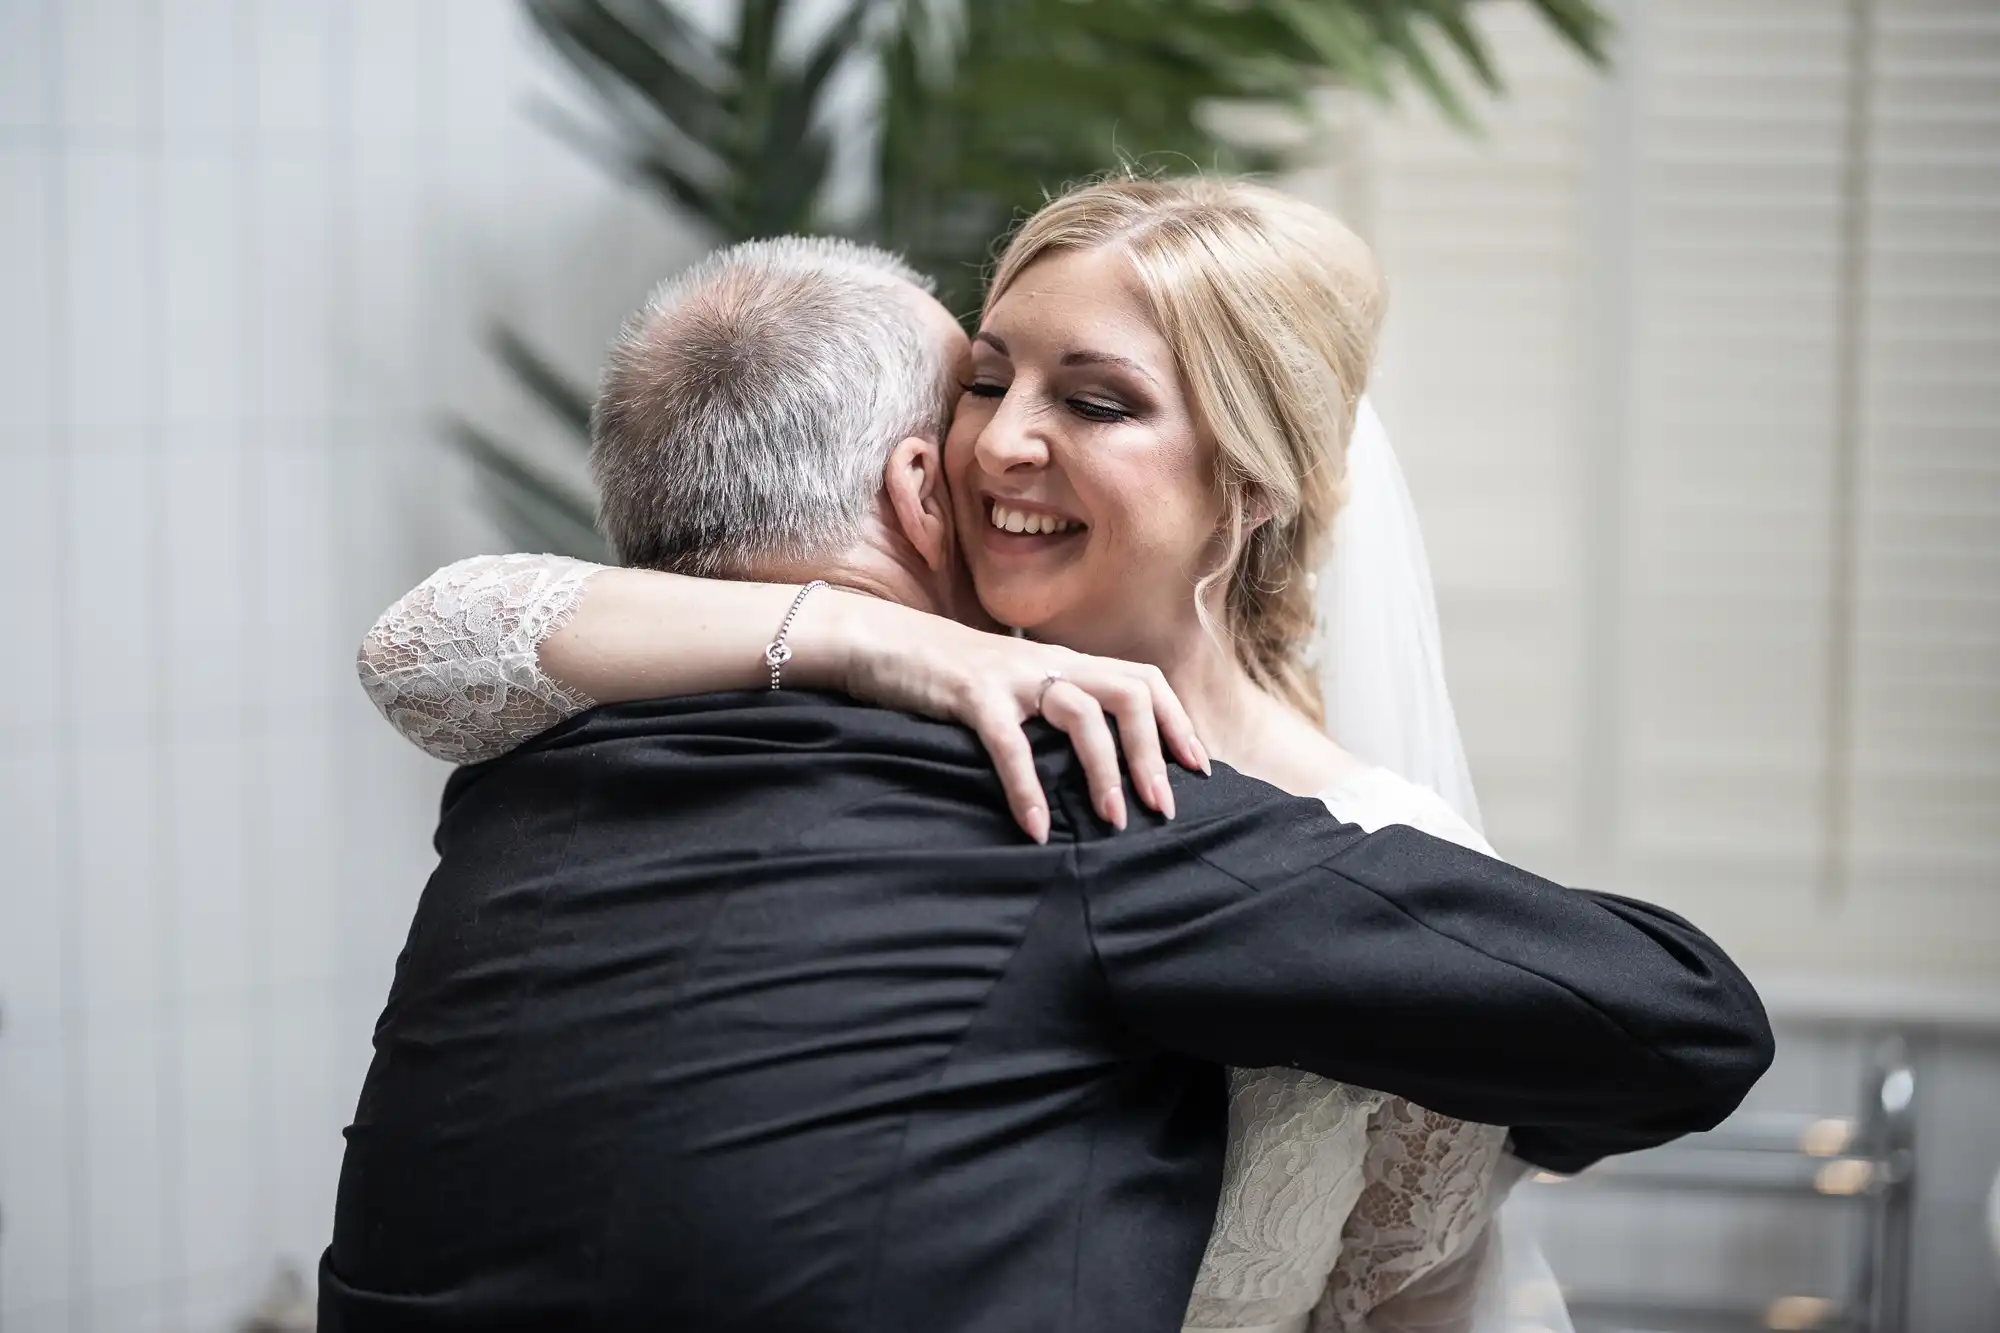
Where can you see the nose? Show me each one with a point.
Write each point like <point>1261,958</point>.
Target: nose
<point>1011,439</point>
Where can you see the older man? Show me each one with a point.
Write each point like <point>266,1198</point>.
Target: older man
<point>753,1011</point>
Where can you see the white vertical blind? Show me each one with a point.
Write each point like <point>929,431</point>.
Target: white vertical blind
<point>1482,382</point>
<point>1737,224</point>
<point>1697,375</point>
<point>1925,836</point>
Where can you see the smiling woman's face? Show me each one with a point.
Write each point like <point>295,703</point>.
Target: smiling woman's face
<point>1083,485</point>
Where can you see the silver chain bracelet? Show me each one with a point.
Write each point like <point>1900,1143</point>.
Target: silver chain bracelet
<point>779,652</point>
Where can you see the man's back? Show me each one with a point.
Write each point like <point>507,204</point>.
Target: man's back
<point>756,1011</point>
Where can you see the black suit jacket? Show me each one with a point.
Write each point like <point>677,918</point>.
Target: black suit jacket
<point>755,1011</point>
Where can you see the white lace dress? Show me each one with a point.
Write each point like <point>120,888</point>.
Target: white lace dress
<point>1341,1209</point>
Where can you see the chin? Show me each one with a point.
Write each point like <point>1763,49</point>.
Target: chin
<point>1014,604</point>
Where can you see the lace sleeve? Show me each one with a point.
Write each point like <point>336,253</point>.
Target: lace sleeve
<point>1460,1295</point>
<point>1428,1191</point>
<point>453,664</point>
<point>1414,1250</point>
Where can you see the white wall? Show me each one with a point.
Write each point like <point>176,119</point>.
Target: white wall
<point>246,250</point>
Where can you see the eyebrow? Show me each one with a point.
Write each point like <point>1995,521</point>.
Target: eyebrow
<point>1106,359</point>
<point>1079,358</point>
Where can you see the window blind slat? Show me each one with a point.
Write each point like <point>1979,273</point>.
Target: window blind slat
<point>1482,386</point>
<point>1927,705</point>
<point>1730,197</point>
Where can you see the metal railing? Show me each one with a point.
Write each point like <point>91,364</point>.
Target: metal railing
<point>1866,1162</point>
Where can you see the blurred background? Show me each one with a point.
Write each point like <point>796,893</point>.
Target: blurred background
<point>1693,360</point>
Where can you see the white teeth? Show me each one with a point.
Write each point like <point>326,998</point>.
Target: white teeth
<point>1020,520</point>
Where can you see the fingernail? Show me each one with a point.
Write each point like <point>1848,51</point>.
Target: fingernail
<point>1202,750</point>
<point>1165,791</point>
<point>1114,810</point>
<point>1038,824</point>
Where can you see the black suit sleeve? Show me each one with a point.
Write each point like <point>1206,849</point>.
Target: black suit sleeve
<point>1257,930</point>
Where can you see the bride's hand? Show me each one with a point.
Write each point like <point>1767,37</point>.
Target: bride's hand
<point>993,684</point>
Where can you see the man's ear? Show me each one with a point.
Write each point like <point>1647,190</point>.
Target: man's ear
<point>914,483</point>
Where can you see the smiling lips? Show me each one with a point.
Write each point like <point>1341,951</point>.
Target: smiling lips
<point>1028,522</point>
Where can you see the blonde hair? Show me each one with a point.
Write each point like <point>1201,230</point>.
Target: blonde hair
<point>1272,308</point>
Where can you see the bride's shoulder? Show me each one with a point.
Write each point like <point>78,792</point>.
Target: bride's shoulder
<point>1294,755</point>
<point>1375,798</point>
<point>1282,746</point>
<point>1302,760</point>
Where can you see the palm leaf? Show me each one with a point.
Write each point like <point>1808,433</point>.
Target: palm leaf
<point>1580,23</point>
<point>1403,35</point>
<point>539,510</point>
<point>549,386</point>
<point>1465,39</point>
<point>984,108</point>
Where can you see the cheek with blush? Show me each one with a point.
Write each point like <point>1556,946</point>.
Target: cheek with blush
<point>1165,517</point>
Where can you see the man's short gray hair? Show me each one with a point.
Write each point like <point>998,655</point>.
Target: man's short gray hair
<point>748,410</point>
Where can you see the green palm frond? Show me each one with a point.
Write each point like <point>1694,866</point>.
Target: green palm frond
<point>983,108</point>
<point>565,401</point>
<point>537,510</point>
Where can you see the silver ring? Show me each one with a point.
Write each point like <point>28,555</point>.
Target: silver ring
<point>1049,677</point>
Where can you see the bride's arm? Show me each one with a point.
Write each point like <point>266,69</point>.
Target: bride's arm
<point>454,664</point>
<point>490,651</point>
<point>1416,1251</point>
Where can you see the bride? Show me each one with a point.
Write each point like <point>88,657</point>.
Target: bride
<point>1159,421</point>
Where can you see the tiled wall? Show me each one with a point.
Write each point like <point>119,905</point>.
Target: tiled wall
<point>247,251</point>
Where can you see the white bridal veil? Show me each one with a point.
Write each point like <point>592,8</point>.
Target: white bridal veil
<point>1381,662</point>
<point>1382,675</point>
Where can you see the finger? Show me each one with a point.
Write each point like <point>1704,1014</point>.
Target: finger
<point>1176,727</point>
<point>1000,732</point>
<point>1128,698</point>
<point>1074,713</point>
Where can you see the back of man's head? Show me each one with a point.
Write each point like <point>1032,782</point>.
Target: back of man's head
<point>747,412</point>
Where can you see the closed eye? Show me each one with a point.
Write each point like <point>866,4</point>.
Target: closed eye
<point>1091,409</point>
<point>983,389</point>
